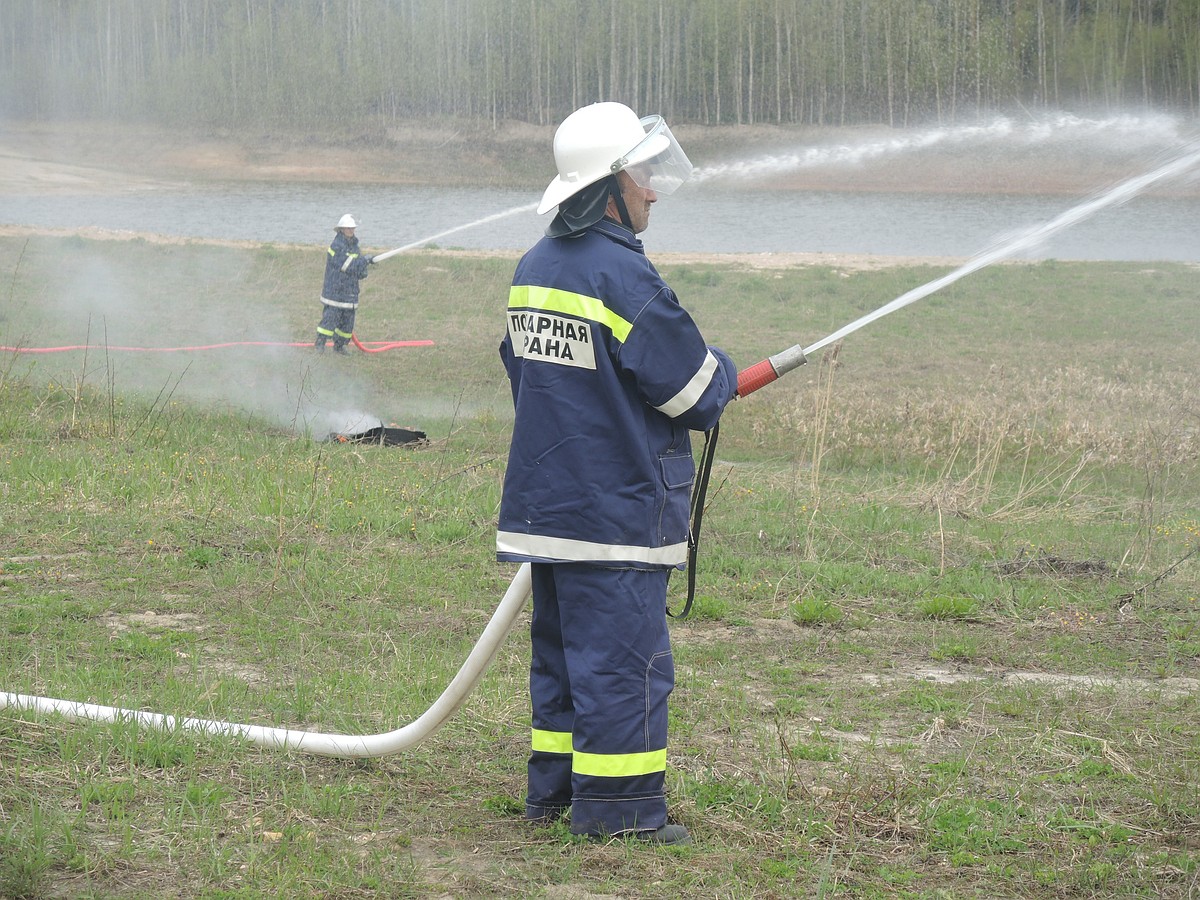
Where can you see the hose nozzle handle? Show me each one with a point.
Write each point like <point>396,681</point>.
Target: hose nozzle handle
<point>758,375</point>
<point>770,369</point>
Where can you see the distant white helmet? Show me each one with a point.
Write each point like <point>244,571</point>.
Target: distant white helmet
<point>605,138</point>
<point>347,221</point>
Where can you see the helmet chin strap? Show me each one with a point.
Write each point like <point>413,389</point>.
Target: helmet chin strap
<point>614,191</point>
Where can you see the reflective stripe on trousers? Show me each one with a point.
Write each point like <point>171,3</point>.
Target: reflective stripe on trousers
<point>599,681</point>
<point>337,323</point>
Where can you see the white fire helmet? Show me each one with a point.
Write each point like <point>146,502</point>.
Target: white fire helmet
<point>605,138</point>
<point>347,221</point>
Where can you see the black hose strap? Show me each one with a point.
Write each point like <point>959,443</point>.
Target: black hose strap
<point>699,491</point>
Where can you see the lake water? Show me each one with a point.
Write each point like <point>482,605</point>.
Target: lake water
<point>702,218</point>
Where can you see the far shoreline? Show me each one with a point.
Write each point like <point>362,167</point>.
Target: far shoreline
<point>106,157</point>
<point>765,260</point>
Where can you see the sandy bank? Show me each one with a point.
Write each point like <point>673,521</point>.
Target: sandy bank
<point>107,158</point>
<point>840,261</point>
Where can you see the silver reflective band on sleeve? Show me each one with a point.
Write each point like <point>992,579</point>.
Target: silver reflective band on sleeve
<point>567,550</point>
<point>686,398</point>
<point>349,259</point>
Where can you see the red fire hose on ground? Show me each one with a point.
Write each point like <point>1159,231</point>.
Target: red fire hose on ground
<point>368,347</point>
<point>384,346</point>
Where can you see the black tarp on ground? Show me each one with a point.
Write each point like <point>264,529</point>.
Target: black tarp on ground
<point>384,435</point>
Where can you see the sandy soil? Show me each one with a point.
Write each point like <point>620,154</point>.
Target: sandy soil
<point>48,156</point>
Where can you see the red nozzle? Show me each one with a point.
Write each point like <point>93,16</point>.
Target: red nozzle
<point>758,375</point>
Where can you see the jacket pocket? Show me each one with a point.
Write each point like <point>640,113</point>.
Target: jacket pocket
<point>678,471</point>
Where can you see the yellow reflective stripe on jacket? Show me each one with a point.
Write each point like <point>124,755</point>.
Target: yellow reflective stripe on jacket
<point>526,296</point>
<point>551,741</point>
<point>618,765</point>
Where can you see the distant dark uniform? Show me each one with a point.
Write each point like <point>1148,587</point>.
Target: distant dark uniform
<point>345,267</point>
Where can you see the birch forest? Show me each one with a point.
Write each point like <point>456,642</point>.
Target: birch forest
<point>333,63</point>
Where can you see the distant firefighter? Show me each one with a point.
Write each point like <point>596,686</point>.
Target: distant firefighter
<point>345,267</point>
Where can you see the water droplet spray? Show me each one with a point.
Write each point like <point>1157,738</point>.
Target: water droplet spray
<point>763,373</point>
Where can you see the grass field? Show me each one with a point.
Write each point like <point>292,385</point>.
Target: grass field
<point>946,644</point>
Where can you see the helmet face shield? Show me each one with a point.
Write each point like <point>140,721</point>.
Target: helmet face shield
<point>658,162</point>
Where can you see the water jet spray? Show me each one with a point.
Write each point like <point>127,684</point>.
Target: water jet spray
<point>501,623</point>
<point>768,370</point>
<point>1049,130</point>
<point>441,234</point>
<point>380,257</point>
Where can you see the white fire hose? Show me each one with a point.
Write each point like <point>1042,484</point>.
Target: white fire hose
<point>347,746</point>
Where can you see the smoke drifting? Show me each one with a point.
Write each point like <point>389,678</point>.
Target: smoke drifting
<point>112,295</point>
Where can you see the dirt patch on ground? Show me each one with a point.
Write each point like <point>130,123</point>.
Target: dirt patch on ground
<point>108,158</point>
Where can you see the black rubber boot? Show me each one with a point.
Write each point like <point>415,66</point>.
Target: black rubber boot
<point>669,834</point>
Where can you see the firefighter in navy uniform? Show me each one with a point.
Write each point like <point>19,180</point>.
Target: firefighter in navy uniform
<point>345,267</point>
<point>609,374</point>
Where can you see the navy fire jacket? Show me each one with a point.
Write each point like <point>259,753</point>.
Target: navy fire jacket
<point>609,374</point>
<point>344,268</point>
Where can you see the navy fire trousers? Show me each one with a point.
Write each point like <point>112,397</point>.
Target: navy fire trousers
<point>600,677</point>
